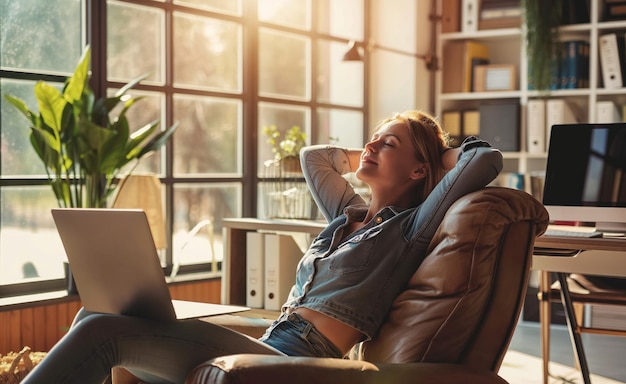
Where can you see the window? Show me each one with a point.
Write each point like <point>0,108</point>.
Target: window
<point>221,69</point>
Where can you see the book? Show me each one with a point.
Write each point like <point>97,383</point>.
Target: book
<point>611,51</point>
<point>451,121</point>
<point>469,15</point>
<point>499,124</point>
<point>497,23</point>
<point>614,10</point>
<point>575,12</point>
<point>512,180</point>
<point>255,269</point>
<point>563,67</point>
<point>450,16</point>
<point>459,60</point>
<point>576,64</point>
<point>607,112</point>
<point>559,111</point>
<point>471,123</point>
<point>536,126</point>
<point>499,14</point>
<point>282,255</point>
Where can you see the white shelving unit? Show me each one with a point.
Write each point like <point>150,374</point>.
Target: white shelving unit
<point>507,46</point>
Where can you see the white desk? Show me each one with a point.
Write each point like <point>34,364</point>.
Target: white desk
<point>565,255</point>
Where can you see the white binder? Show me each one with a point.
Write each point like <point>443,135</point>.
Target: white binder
<point>255,269</point>
<point>536,126</point>
<point>611,60</point>
<point>558,111</point>
<point>607,112</point>
<point>469,16</point>
<point>282,255</point>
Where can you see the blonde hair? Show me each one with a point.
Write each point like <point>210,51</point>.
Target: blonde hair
<point>429,141</point>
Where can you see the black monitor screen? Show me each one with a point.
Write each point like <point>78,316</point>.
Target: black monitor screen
<point>586,165</point>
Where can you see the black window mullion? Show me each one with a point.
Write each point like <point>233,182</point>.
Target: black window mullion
<point>250,108</point>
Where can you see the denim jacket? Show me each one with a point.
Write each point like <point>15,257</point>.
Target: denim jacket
<point>356,280</point>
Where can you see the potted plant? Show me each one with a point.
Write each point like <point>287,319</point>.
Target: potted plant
<point>82,147</point>
<point>541,33</point>
<point>286,151</point>
<point>287,196</point>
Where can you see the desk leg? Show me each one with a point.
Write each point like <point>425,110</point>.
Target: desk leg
<point>544,321</point>
<point>572,324</point>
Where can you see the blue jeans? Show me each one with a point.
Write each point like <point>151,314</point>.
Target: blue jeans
<point>295,336</point>
<point>155,352</point>
<point>163,352</point>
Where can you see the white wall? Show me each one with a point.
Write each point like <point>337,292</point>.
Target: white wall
<point>398,81</point>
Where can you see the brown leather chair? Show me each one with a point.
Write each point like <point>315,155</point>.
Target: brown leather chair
<point>454,322</point>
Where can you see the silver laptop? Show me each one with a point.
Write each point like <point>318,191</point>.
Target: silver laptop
<point>116,267</point>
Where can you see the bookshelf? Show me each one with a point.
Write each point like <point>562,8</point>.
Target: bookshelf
<point>507,46</point>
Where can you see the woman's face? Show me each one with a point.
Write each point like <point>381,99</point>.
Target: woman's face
<point>389,158</point>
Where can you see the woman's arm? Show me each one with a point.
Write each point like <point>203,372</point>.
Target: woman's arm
<point>323,167</point>
<point>450,157</point>
<point>477,165</point>
<point>354,157</point>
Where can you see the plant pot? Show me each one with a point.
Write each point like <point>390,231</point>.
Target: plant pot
<point>286,194</point>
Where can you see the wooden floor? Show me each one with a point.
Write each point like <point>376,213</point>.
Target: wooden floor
<point>606,355</point>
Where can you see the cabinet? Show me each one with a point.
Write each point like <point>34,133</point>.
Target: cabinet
<point>234,235</point>
<point>507,46</point>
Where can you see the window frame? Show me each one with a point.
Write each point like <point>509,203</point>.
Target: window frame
<point>95,34</point>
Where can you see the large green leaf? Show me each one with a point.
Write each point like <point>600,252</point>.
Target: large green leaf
<point>51,105</point>
<point>77,83</point>
<point>90,141</point>
<point>114,150</point>
<point>48,139</point>
<point>93,134</point>
<point>138,139</point>
<point>61,190</point>
<point>21,106</point>
<point>157,141</point>
<point>131,84</point>
<point>48,156</point>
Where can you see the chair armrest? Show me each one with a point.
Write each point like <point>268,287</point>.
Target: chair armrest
<point>248,368</point>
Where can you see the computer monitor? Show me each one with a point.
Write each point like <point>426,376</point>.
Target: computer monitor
<point>586,175</point>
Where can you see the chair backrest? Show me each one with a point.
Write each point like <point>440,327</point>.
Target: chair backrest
<point>463,302</point>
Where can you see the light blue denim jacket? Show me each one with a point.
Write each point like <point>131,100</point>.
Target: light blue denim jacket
<point>357,279</point>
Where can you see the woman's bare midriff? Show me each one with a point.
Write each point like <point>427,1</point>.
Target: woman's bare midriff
<point>343,336</point>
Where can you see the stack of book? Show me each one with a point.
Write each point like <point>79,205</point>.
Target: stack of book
<point>575,12</point>
<point>614,10</point>
<point>460,124</point>
<point>472,15</point>
<point>459,60</point>
<point>495,14</point>
<point>574,65</point>
<point>571,67</point>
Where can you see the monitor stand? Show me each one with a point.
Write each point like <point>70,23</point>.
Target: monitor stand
<point>610,227</point>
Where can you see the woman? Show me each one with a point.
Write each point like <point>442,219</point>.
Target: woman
<point>345,282</point>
